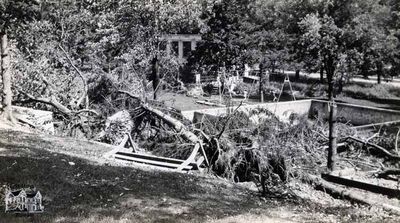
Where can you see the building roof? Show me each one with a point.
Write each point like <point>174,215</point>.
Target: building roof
<point>16,192</point>
<point>29,193</point>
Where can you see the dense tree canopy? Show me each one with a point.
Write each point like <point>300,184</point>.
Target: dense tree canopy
<point>83,43</point>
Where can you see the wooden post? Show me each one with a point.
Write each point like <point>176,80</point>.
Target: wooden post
<point>193,45</point>
<point>297,75</point>
<point>180,49</point>
<point>379,71</point>
<point>321,74</point>
<point>262,96</point>
<point>332,152</point>
<point>168,48</point>
<point>155,76</point>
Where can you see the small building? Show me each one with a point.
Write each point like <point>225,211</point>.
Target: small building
<point>184,43</point>
<point>24,201</point>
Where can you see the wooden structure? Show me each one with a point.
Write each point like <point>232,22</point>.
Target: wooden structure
<point>180,39</point>
<point>23,201</point>
<point>131,155</point>
<point>287,80</point>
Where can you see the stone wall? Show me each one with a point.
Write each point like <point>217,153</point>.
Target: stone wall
<point>355,114</point>
<point>282,110</point>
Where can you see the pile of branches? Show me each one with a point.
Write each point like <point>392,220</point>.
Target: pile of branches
<point>256,146</point>
<point>376,152</point>
<point>241,146</point>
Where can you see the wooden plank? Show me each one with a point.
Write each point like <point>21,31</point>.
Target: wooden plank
<point>152,162</point>
<point>123,142</point>
<point>210,103</point>
<point>362,185</point>
<point>155,158</point>
<point>199,162</point>
<point>191,158</point>
<point>151,157</point>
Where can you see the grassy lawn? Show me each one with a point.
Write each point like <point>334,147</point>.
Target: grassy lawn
<point>78,190</point>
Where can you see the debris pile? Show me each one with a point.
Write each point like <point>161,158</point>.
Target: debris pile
<point>240,146</point>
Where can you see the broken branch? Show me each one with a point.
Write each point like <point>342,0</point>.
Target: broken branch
<point>377,147</point>
<point>176,124</point>
<point>50,101</point>
<point>53,102</point>
<point>85,87</point>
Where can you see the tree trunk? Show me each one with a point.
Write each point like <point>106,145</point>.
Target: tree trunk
<point>332,150</point>
<point>379,71</point>
<point>155,77</point>
<point>297,75</point>
<point>261,75</point>
<point>272,66</point>
<point>6,77</point>
<point>349,195</point>
<point>364,69</point>
<point>321,74</point>
<point>340,85</point>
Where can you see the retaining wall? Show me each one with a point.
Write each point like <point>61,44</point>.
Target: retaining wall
<point>355,114</point>
<point>282,110</point>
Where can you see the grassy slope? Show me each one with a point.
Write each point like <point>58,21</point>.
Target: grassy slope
<point>86,192</point>
<point>84,189</point>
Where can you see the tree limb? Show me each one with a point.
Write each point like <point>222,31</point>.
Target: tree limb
<point>176,124</point>
<point>86,111</point>
<point>130,95</point>
<point>349,195</point>
<point>53,102</point>
<point>85,87</point>
<point>50,101</point>
<point>226,122</point>
<point>379,148</point>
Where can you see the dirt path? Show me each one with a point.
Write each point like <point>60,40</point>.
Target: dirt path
<point>76,190</point>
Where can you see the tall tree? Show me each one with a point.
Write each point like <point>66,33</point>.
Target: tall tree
<point>324,39</point>
<point>374,39</point>
<point>219,46</point>
<point>12,14</point>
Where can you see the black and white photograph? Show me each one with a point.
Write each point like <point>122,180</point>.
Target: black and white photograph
<point>192,111</point>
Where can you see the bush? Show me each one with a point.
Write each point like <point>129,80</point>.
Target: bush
<point>376,91</point>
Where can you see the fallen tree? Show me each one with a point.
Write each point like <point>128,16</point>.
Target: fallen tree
<point>347,194</point>
<point>177,125</point>
<point>56,104</point>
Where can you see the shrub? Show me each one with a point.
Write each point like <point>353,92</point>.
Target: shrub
<point>375,91</point>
